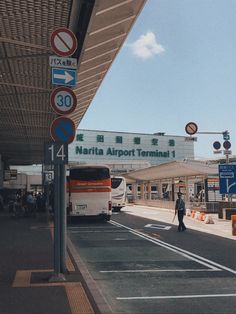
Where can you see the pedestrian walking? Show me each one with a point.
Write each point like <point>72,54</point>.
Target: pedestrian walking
<point>31,204</point>
<point>181,211</point>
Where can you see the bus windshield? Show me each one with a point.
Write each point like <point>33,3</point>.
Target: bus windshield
<point>115,182</point>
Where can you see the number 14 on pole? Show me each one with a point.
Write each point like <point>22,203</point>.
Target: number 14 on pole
<point>56,153</point>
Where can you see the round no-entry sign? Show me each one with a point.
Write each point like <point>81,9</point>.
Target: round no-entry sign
<point>191,128</point>
<point>62,130</point>
<point>63,100</point>
<point>63,42</point>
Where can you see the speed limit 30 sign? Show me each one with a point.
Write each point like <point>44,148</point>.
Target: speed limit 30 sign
<point>63,100</point>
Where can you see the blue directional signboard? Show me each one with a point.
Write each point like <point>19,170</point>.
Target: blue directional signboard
<point>64,77</point>
<point>62,130</point>
<point>227,176</point>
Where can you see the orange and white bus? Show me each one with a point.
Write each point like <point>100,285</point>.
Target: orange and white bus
<point>89,191</point>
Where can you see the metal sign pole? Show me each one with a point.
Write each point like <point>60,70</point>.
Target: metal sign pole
<point>58,276</point>
<point>63,43</point>
<point>63,219</point>
<point>229,198</point>
<point>56,221</point>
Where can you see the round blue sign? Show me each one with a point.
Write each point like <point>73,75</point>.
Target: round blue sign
<point>62,130</point>
<point>216,145</point>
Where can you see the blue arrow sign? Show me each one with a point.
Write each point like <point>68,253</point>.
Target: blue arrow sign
<point>64,77</point>
<point>227,176</point>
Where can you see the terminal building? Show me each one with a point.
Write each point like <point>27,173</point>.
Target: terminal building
<point>156,166</point>
<point>125,152</point>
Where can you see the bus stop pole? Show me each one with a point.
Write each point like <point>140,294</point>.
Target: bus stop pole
<point>63,218</point>
<point>56,221</point>
<point>58,276</point>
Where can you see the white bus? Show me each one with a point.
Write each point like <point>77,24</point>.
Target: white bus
<point>118,192</point>
<point>89,191</point>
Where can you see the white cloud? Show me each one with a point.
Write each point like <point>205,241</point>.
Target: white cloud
<point>146,46</point>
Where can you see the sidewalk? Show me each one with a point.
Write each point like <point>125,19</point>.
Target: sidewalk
<point>26,265</point>
<point>221,227</point>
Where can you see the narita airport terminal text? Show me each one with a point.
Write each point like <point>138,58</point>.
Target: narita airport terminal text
<point>123,152</point>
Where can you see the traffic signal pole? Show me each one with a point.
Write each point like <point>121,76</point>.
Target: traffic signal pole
<point>191,128</point>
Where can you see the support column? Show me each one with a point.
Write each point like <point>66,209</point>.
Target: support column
<point>149,190</point>
<point>142,191</point>
<point>159,189</point>
<point>186,189</point>
<point>173,189</point>
<point>134,191</point>
<point>206,199</point>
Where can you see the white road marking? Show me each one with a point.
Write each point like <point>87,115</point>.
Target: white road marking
<point>93,231</point>
<point>193,296</point>
<point>89,227</point>
<point>156,270</point>
<point>155,226</point>
<point>199,259</point>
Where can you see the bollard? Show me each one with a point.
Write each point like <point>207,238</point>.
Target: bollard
<point>233,218</point>
<point>188,212</point>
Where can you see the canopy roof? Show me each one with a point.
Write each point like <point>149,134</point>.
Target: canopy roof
<point>100,26</point>
<point>174,169</point>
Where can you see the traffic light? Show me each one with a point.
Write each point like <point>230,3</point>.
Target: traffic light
<point>226,136</point>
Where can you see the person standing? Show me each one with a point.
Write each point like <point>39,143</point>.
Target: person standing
<point>31,204</point>
<point>180,209</point>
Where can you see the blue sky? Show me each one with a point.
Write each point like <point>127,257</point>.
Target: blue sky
<point>178,64</point>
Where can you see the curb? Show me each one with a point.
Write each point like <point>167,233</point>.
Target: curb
<point>98,299</point>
